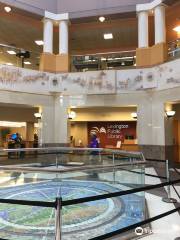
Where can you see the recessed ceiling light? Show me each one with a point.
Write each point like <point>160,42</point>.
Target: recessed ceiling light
<point>27,63</point>
<point>177,29</point>
<point>39,42</point>
<point>108,36</point>
<point>9,64</point>
<point>7,9</point>
<point>11,52</point>
<point>101,19</point>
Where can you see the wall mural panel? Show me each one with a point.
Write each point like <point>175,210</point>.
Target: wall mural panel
<point>23,80</point>
<point>168,74</point>
<point>136,79</point>
<point>93,82</point>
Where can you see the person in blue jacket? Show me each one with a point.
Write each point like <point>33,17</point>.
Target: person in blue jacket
<point>94,141</point>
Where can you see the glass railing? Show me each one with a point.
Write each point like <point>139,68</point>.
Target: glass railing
<point>103,61</point>
<point>32,186</point>
<point>13,56</point>
<point>78,193</point>
<point>174,49</point>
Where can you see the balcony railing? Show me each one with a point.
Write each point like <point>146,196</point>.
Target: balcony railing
<point>10,55</point>
<point>13,56</point>
<point>174,49</point>
<point>104,61</point>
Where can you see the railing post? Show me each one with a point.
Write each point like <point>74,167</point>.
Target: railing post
<point>56,160</point>
<point>168,199</point>
<point>58,219</point>
<point>114,173</point>
<point>100,157</point>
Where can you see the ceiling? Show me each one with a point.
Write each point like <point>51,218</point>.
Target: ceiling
<point>20,30</point>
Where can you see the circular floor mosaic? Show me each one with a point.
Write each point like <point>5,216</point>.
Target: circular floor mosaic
<point>81,221</point>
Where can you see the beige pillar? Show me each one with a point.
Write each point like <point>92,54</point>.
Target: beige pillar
<point>62,124</point>
<point>151,128</point>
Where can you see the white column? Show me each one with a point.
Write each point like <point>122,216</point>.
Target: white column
<point>61,126</point>
<point>63,37</point>
<point>48,36</point>
<point>143,29</point>
<point>46,124</point>
<point>160,24</point>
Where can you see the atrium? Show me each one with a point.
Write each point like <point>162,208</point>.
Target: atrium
<point>89,119</point>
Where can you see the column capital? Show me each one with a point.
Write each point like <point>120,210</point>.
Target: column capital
<point>45,19</point>
<point>161,5</point>
<point>56,17</point>
<point>148,6</point>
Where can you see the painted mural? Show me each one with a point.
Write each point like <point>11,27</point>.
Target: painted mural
<point>93,82</point>
<point>99,82</point>
<point>23,80</point>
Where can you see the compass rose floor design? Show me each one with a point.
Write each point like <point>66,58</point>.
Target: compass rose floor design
<point>81,221</point>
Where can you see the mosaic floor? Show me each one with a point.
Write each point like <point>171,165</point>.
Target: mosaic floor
<point>82,221</point>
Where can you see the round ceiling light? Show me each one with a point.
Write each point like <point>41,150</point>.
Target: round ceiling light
<point>7,9</point>
<point>101,19</point>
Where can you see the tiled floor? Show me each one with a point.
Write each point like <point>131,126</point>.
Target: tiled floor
<point>167,228</point>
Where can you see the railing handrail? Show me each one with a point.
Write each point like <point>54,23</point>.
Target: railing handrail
<point>69,149</point>
<point>12,168</point>
<point>103,53</point>
<point>17,48</point>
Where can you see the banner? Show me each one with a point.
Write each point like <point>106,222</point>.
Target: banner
<point>109,133</point>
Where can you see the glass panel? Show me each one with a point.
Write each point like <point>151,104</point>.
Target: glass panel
<point>19,57</point>
<point>103,61</point>
<point>71,174</point>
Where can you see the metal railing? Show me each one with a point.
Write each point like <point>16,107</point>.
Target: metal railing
<point>19,57</point>
<point>103,61</point>
<point>130,159</point>
<point>174,49</point>
<point>11,55</point>
<point>135,159</point>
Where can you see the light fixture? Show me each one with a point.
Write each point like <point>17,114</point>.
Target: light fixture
<point>101,19</point>
<point>12,124</point>
<point>170,113</point>
<point>108,36</point>
<point>7,9</point>
<point>9,64</point>
<point>177,29</point>
<point>71,115</point>
<point>11,52</point>
<point>38,115</point>
<point>27,63</point>
<point>134,115</point>
<point>39,42</point>
<point>36,125</point>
